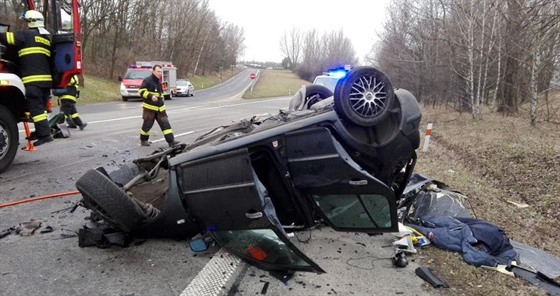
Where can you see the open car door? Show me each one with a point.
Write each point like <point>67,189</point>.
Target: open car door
<point>224,193</point>
<point>348,197</point>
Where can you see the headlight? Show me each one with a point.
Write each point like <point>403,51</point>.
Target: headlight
<point>123,90</point>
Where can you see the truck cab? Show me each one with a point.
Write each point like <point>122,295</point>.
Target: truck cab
<point>135,74</point>
<point>62,20</point>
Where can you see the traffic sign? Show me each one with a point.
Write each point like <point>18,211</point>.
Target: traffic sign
<point>253,76</point>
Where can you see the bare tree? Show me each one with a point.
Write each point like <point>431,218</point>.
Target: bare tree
<point>291,46</point>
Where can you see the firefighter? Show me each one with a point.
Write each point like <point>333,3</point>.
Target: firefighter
<point>154,108</point>
<point>34,52</point>
<point>68,100</point>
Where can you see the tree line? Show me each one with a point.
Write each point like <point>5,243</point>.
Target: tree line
<point>116,33</point>
<point>471,53</point>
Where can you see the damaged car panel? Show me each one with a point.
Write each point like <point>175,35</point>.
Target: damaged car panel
<point>342,159</point>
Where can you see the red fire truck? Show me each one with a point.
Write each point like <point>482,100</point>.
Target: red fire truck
<point>62,20</point>
<point>132,79</point>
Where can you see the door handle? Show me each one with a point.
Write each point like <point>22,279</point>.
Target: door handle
<point>254,215</point>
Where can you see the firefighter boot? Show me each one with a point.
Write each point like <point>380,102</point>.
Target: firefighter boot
<point>42,133</point>
<point>70,123</point>
<point>78,121</point>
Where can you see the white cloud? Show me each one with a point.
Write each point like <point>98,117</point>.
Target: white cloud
<point>265,22</point>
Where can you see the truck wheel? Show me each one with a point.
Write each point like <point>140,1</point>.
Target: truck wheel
<point>125,99</point>
<point>9,138</point>
<point>105,198</point>
<point>364,97</point>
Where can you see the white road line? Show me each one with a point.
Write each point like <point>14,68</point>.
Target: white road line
<point>211,280</point>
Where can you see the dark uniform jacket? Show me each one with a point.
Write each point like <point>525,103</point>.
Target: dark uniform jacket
<point>71,91</point>
<point>151,86</point>
<point>34,54</point>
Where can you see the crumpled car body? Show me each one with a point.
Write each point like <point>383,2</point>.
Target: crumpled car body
<point>341,159</point>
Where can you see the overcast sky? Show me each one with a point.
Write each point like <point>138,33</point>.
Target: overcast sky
<point>265,22</point>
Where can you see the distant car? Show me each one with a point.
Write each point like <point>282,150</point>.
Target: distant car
<point>343,160</point>
<point>184,88</point>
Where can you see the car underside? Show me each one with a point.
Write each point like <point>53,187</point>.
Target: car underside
<point>341,159</point>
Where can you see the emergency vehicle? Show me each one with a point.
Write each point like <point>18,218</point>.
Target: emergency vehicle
<point>62,20</point>
<point>132,79</point>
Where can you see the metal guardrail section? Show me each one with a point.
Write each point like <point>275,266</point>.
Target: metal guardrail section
<point>211,280</point>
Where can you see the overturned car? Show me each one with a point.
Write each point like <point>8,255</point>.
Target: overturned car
<point>342,159</point>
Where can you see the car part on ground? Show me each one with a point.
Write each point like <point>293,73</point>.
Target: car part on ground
<point>341,160</point>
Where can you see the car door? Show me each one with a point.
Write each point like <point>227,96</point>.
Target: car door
<point>224,194</point>
<point>348,197</point>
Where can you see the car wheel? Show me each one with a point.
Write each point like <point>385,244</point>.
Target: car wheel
<point>125,99</point>
<point>364,97</point>
<point>109,201</point>
<point>9,138</point>
<point>316,93</point>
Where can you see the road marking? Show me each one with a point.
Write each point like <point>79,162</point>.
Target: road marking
<point>211,280</point>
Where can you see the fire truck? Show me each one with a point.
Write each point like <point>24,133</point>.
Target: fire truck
<point>62,20</point>
<point>132,79</point>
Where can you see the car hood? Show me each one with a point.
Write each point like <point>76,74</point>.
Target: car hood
<point>132,82</point>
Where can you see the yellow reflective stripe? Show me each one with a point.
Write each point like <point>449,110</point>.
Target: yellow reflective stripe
<point>74,115</point>
<point>162,108</point>
<point>74,81</point>
<point>143,92</point>
<point>167,131</point>
<point>39,117</point>
<point>68,97</point>
<point>33,50</point>
<point>150,107</point>
<point>143,133</point>
<point>36,78</point>
<point>10,38</point>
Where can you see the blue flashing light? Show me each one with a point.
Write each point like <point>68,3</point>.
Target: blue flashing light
<point>337,73</point>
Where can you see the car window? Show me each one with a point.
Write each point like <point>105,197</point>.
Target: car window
<point>261,246</point>
<point>183,82</point>
<point>355,210</point>
<point>137,74</point>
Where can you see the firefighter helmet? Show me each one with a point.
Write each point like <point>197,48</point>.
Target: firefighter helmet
<point>34,19</point>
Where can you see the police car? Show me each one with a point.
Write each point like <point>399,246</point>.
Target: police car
<point>331,78</point>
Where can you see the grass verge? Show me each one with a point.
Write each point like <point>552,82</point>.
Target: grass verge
<point>275,83</point>
<point>495,161</point>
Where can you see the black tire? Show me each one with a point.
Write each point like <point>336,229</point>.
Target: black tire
<point>315,93</point>
<point>9,138</point>
<point>125,99</point>
<point>109,201</point>
<point>364,97</point>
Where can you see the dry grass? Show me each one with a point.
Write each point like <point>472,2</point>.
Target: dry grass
<point>493,161</point>
<point>275,83</point>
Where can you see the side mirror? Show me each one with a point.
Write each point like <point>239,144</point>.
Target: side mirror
<point>120,78</point>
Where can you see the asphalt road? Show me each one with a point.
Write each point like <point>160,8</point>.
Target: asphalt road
<point>52,263</point>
